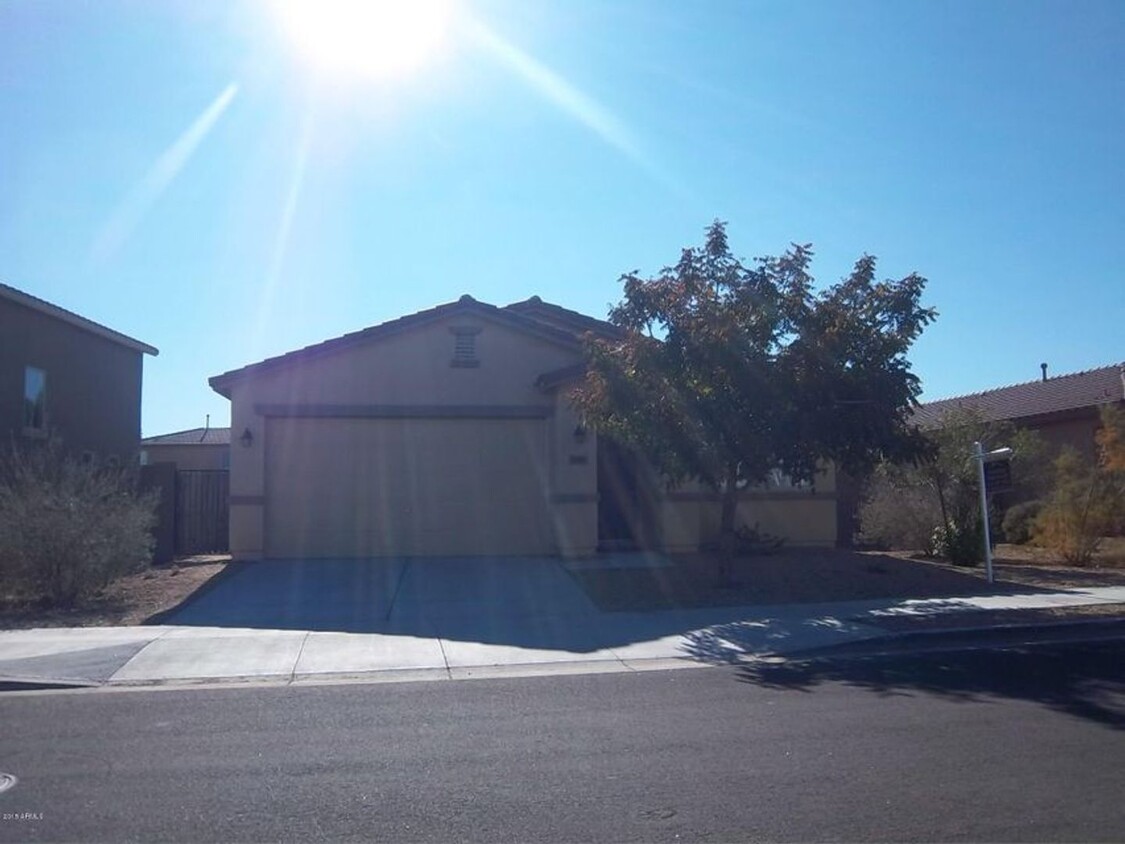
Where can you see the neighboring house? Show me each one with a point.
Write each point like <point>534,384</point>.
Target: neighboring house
<point>447,432</point>
<point>190,470</point>
<point>197,448</point>
<point>64,376</point>
<point>1063,409</point>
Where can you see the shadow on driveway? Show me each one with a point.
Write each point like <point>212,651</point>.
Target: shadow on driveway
<point>532,603</point>
<point>527,602</point>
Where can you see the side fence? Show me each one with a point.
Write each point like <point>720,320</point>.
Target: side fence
<point>194,510</point>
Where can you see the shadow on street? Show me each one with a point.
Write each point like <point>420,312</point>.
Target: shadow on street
<point>1086,680</point>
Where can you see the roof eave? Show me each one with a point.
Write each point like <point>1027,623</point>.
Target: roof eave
<point>36,304</point>
<point>223,382</point>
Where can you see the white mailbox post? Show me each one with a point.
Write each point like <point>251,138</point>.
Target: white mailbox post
<point>982,457</point>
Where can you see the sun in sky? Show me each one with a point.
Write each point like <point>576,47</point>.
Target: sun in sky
<point>366,39</point>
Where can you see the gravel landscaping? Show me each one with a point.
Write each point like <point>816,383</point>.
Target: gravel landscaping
<point>132,600</point>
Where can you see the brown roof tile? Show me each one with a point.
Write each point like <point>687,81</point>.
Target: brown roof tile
<point>192,436</point>
<point>1036,398</point>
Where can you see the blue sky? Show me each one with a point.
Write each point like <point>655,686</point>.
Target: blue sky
<point>183,173</point>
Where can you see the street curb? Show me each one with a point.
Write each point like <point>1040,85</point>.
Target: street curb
<point>900,637</point>
<point>876,645</point>
<point>37,684</point>
<point>387,675</point>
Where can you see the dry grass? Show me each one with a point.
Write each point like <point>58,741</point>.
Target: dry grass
<point>132,600</point>
<point>816,576</point>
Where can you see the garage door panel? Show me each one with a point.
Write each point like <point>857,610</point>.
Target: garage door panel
<point>373,487</point>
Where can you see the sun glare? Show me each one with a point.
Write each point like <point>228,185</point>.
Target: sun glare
<point>371,39</point>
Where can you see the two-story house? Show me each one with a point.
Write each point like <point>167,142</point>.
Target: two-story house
<point>66,377</point>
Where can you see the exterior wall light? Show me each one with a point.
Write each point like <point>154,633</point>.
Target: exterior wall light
<point>580,433</point>
<point>247,438</point>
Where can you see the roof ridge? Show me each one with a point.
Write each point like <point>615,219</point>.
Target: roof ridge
<point>184,431</point>
<point>1029,383</point>
<point>537,302</point>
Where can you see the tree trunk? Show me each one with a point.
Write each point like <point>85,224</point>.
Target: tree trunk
<point>726,528</point>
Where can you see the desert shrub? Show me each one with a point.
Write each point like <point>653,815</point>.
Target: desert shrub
<point>960,543</point>
<point>753,541</point>
<point>69,527</point>
<point>1084,506</point>
<point>1019,521</point>
<point>898,515</point>
<point>1111,439</point>
<point>1111,458</point>
<point>906,506</point>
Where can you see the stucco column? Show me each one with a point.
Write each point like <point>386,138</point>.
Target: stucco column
<point>247,481</point>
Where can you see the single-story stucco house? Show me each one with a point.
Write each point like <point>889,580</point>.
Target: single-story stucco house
<point>194,449</point>
<point>1065,410</point>
<point>448,432</point>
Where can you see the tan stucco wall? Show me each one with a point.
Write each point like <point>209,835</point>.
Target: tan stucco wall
<point>1078,433</point>
<point>805,520</point>
<point>691,514</point>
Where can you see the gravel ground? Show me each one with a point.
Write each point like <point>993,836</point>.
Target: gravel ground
<point>129,601</point>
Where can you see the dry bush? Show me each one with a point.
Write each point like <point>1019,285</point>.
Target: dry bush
<point>1084,506</point>
<point>69,527</point>
<point>897,513</point>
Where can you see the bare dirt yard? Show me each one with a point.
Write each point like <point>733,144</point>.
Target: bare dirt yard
<point>132,600</point>
<point>822,576</point>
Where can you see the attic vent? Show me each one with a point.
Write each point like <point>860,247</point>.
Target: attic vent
<point>465,347</point>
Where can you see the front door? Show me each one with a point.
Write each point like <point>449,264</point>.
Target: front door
<point>618,498</point>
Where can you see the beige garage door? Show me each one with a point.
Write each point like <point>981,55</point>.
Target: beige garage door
<point>384,487</point>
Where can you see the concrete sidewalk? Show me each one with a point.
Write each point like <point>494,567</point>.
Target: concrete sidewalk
<point>574,643</point>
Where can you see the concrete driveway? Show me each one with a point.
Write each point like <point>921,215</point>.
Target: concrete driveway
<point>530,601</point>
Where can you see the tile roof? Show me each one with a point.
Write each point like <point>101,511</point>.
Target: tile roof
<point>564,318</point>
<point>45,307</point>
<point>541,327</point>
<point>1036,398</point>
<point>192,436</point>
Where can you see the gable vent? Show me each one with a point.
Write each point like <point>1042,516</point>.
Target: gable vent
<point>465,347</point>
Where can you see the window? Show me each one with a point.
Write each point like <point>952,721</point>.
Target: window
<point>34,400</point>
<point>465,347</point>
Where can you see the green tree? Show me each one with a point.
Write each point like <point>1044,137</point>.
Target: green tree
<point>726,372</point>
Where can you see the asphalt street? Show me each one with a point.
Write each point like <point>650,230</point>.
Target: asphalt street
<point>1012,744</point>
